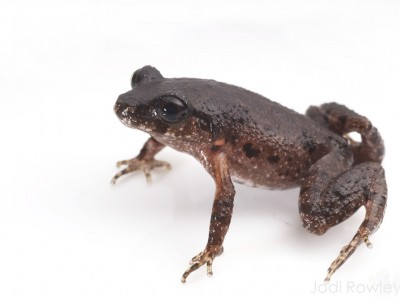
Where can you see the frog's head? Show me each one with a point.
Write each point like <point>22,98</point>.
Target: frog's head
<point>158,106</point>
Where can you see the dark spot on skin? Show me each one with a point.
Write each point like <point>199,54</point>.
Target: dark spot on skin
<point>203,125</point>
<point>309,146</point>
<point>342,144</point>
<point>218,217</point>
<point>339,195</point>
<point>207,123</point>
<point>343,120</point>
<point>366,192</point>
<point>250,151</point>
<point>273,159</point>
<point>308,143</point>
<point>315,150</point>
<point>222,212</point>
<point>214,130</point>
<point>215,147</point>
<point>241,121</point>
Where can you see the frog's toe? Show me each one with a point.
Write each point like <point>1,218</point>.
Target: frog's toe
<point>202,258</point>
<point>361,236</point>
<point>127,170</point>
<point>137,164</point>
<point>205,257</point>
<point>196,258</point>
<point>124,162</point>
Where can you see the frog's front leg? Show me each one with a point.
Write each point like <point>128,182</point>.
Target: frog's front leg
<point>144,161</point>
<point>220,217</point>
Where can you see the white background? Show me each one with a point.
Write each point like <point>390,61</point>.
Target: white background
<point>66,233</point>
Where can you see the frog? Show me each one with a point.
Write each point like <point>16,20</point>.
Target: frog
<point>240,136</point>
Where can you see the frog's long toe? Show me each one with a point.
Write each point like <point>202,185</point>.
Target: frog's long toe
<point>127,170</point>
<point>361,236</point>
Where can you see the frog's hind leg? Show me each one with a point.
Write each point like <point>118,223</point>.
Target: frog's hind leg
<point>343,121</point>
<point>330,195</point>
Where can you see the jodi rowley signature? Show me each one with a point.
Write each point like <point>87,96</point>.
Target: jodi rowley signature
<point>351,287</point>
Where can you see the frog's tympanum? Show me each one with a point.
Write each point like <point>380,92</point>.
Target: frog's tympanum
<point>240,136</point>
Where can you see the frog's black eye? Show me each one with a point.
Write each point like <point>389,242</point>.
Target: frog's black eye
<point>171,108</point>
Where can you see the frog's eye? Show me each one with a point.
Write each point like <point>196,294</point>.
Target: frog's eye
<point>171,109</point>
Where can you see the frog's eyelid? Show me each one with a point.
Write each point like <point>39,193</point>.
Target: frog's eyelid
<point>134,78</point>
<point>176,94</point>
<point>145,75</point>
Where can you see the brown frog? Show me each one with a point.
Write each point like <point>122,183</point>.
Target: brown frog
<point>238,135</point>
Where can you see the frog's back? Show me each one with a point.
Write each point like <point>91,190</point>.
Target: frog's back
<point>267,117</point>
<point>233,106</point>
<point>267,144</point>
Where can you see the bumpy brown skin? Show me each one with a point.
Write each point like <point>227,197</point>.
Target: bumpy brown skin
<point>238,134</point>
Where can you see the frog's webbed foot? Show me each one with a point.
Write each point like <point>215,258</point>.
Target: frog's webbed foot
<point>134,164</point>
<point>205,257</point>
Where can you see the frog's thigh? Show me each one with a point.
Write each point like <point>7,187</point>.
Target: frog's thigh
<point>343,121</point>
<point>325,202</point>
<point>339,118</point>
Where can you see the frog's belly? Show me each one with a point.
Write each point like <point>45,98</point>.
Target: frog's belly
<point>262,173</point>
<point>265,182</point>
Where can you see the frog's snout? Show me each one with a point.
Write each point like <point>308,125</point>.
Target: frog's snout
<point>119,107</point>
<point>125,113</point>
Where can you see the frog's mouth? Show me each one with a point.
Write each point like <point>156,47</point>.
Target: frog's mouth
<point>131,117</point>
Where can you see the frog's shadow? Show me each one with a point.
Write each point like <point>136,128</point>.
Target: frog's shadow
<point>280,207</point>
<point>192,192</point>
<point>251,203</point>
